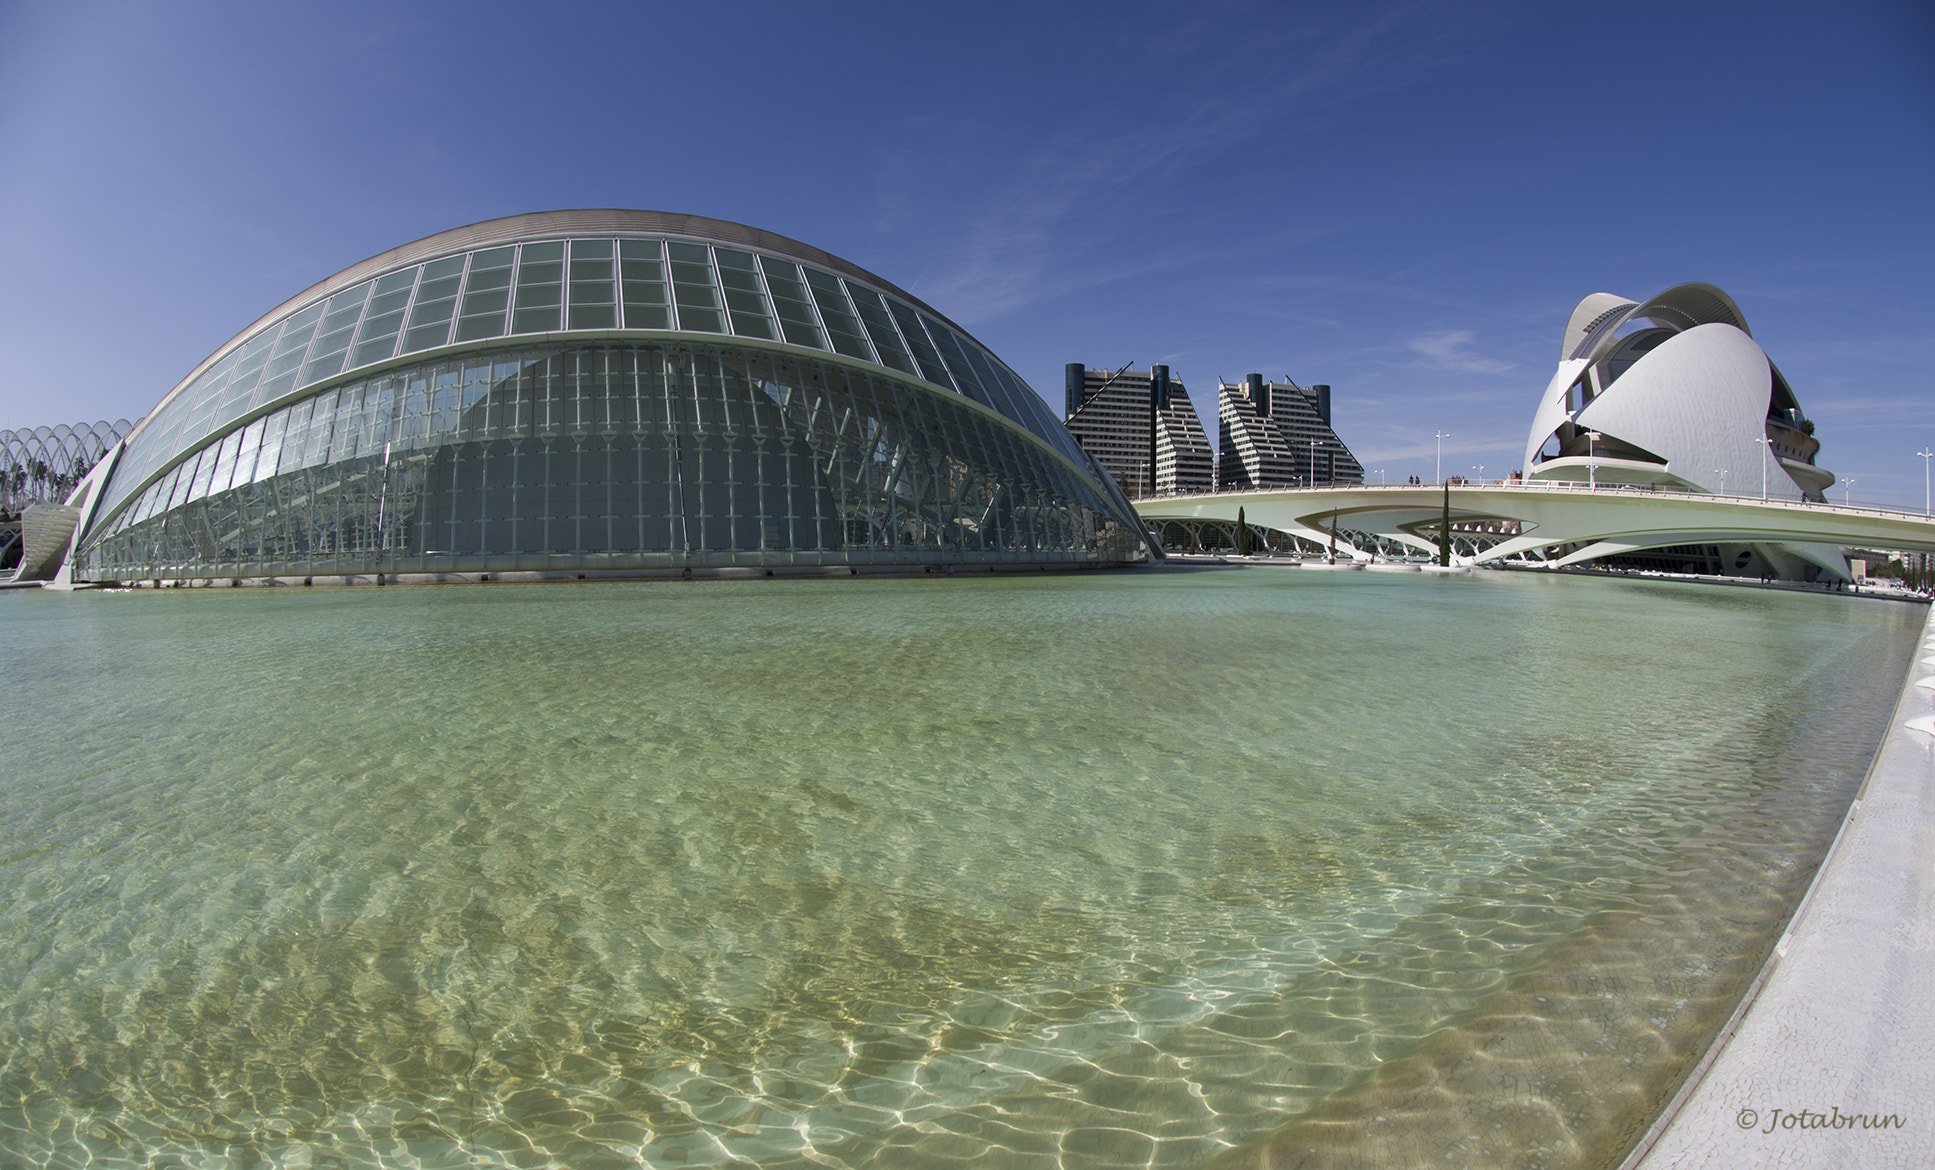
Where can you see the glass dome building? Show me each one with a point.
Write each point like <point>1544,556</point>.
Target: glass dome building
<point>590,393</point>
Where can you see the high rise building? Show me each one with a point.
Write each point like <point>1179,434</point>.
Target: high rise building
<point>1141,427</point>
<point>1277,434</point>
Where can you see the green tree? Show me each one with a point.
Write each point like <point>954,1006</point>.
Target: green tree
<point>1444,530</point>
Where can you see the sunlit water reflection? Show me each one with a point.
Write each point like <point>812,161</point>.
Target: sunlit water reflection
<point>1102,870</point>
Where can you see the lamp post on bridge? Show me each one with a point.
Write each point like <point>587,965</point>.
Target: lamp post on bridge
<point>1847,493</point>
<point>1480,469</point>
<point>1592,460</point>
<point>1767,453</point>
<point>1722,473</point>
<point>1926,455</point>
<point>1442,436</point>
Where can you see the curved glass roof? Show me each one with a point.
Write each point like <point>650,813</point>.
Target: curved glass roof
<point>42,464</point>
<point>574,273</point>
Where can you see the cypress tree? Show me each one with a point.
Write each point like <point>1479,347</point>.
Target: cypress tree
<point>1444,530</point>
<point>1245,539</point>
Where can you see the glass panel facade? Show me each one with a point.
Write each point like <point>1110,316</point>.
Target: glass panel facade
<point>880,328</point>
<point>957,364</point>
<point>338,329</point>
<point>924,352</point>
<point>217,404</point>
<point>383,320</point>
<point>435,305</point>
<point>693,288</point>
<point>593,302</point>
<point>842,327</point>
<point>745,297</point>
<point>641,272</point>
<point>548,286</point>
<point>620,456</point>
<point>540,288</point>
<point>487,294</point>
<point>796,319</point>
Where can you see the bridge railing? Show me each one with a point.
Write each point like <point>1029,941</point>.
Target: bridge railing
<point>1581,487</point>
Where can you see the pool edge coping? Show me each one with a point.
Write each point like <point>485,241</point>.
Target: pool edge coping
<point>1694,1127</point>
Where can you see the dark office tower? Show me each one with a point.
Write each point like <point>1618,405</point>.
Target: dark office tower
<point>1277,434</point>
<point>1141,427</point>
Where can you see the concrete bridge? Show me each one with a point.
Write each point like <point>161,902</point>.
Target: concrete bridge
<point>1534,516</point>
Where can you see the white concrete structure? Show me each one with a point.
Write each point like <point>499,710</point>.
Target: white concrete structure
<point>1674,393</point>
<point>44,532</point>
<point>1665,438</point>
<point>1564,523</point>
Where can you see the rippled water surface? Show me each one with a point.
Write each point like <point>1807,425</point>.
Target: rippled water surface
<point>1099,870</point>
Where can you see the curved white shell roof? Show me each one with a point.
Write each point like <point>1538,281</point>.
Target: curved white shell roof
<point>1598,320</point>
<point>1678,377</point>
<point>1700,400</point>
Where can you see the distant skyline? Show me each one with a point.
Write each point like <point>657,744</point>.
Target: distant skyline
<point>1403,200</point>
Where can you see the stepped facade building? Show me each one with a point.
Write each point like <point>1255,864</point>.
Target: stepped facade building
<point>1141,426</point>
<point>1278,434</point>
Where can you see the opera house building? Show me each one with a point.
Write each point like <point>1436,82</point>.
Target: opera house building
<point>1673,393</point>
<point>596,393</point>
<point>1663,391</point>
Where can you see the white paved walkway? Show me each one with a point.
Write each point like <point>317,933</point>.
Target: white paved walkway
<point>1832,1064</point>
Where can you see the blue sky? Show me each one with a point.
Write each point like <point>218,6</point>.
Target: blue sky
<point>1404,200</point>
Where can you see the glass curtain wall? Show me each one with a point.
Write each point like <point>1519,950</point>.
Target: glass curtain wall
<point>619,456</point>
<point>543,286</point>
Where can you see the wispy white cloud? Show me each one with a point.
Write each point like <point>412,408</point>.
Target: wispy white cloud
<point>1450,349</point>
<point>1084,202</point>
<point>1016,240</point>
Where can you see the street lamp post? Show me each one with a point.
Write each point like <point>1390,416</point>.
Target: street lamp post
<point>1926,455</point>
<point>1847,493</point>
<point>1722,473</point>
<point>1592,460</point>
<point>1313,463</point>
<point>1442,436</point>
<point>1765,455</point>
<point>1380,477</point>
<point>1480,469</point>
